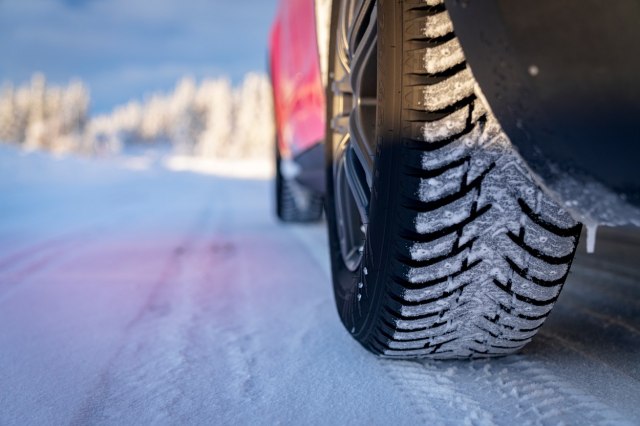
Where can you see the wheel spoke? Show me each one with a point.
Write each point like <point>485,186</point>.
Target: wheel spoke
<point>346,15</point>
<point>356,179</point>
<point>349,211</point>
<point>364,85</point>
<point>360,20</point>
<point>354,106</point>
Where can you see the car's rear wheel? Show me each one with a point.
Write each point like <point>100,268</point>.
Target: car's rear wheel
<point>295,203</point>
<point>442,244</point>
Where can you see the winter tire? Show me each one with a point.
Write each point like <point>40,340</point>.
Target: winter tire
<point>442,244</point>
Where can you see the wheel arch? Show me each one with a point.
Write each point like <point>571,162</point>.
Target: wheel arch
<point>563,81</point>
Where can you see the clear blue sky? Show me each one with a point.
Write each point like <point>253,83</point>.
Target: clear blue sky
<point>124,49</point>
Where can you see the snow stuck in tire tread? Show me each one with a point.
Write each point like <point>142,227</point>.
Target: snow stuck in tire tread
<point>482,253</point>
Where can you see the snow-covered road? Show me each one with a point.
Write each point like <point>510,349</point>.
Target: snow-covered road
<point>158,297</point>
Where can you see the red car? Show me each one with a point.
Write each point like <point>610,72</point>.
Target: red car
<point>454,199</point>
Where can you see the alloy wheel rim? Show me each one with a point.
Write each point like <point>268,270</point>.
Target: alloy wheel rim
<point>354,106</point>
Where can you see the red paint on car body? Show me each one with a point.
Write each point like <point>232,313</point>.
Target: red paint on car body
<point>299,97</point>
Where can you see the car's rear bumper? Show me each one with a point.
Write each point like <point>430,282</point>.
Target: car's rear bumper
<point>563,78</point>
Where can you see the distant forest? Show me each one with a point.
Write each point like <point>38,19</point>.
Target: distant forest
<point>207,119</point>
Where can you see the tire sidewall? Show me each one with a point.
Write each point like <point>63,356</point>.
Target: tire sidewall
<point>361,314</point>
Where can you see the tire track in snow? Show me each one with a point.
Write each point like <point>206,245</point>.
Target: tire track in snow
<point>614,384</point>
<point>223,327</point>
<point>514,390</point>
<point>140,381</point>
<point>20,269</point>
<point>76,234</point>
<point>40,257</point>
<point>190,337</point>
<point>578,349</point>
<point>434,393</point>
<point>540,396</point>
<point>13,279</point>
<point>16,258</point>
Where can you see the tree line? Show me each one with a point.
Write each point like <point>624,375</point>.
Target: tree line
<point>210,118</point>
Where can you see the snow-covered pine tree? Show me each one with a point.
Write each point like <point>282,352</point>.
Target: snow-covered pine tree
<point>184,126</point>
<point>72,116</point>
<point>35,131</point>
<point>41,116</point>
<point>8,131</point>
<point>218,128</point>
<point>253,127</point>
<point>54,130</point>
<point>155,116</point>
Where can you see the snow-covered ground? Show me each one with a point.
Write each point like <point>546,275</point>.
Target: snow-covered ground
<point>131,293</point>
